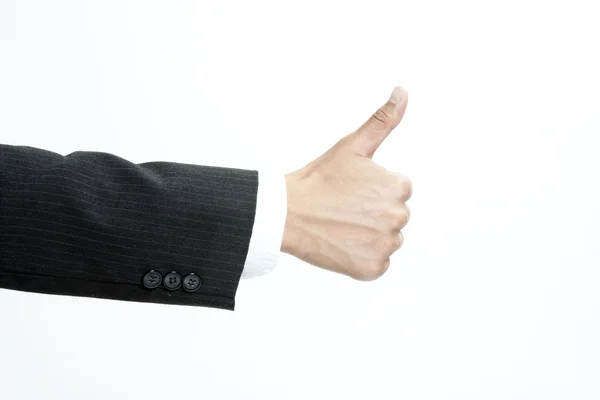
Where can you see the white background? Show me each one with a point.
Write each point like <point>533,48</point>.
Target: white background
<point>496,292</point>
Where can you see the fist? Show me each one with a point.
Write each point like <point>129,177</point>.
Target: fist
<point>346,213</point>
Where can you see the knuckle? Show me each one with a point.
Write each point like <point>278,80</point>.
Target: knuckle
<point>381,268</point>
<point>382,117</point>
<point>405,188</point>
<point>399,219</point>
<point>403,220</point>
<point>401,186</point>
<point>371,270</point>
<point>388,244</point>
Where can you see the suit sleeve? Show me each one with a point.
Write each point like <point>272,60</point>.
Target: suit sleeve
<point>95,225</point>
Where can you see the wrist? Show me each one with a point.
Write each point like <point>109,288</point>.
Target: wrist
<point>287,242</point>
<point>292,238</point>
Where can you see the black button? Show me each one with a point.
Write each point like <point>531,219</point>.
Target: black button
<point>192,282</point>
<point>152,279</point>
<point>173,281</point>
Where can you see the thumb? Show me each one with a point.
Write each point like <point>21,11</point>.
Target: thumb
<point>367,138</point>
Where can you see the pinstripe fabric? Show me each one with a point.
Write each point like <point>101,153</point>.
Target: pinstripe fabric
<point>92,224</point>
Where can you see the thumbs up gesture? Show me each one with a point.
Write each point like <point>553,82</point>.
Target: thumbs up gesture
<point>345,213</point>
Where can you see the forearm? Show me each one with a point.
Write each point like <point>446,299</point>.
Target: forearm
<point>93,224</point>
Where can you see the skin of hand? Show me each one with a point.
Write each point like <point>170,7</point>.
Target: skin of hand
<point>345,212</point>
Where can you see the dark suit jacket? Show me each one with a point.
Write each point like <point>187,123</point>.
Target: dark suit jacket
<point>93,224</point>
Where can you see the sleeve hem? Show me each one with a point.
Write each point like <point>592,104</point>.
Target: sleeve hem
<point>110,291</point>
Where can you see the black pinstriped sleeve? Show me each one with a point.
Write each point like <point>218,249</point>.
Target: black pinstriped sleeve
<point>93,224</point>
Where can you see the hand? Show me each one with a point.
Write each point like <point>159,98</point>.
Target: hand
<point>345,212</point>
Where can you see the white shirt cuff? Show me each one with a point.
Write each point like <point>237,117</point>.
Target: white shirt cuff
<point>269,222</point>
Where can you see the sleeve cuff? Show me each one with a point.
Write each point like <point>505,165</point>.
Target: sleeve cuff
<point>269,222</point>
